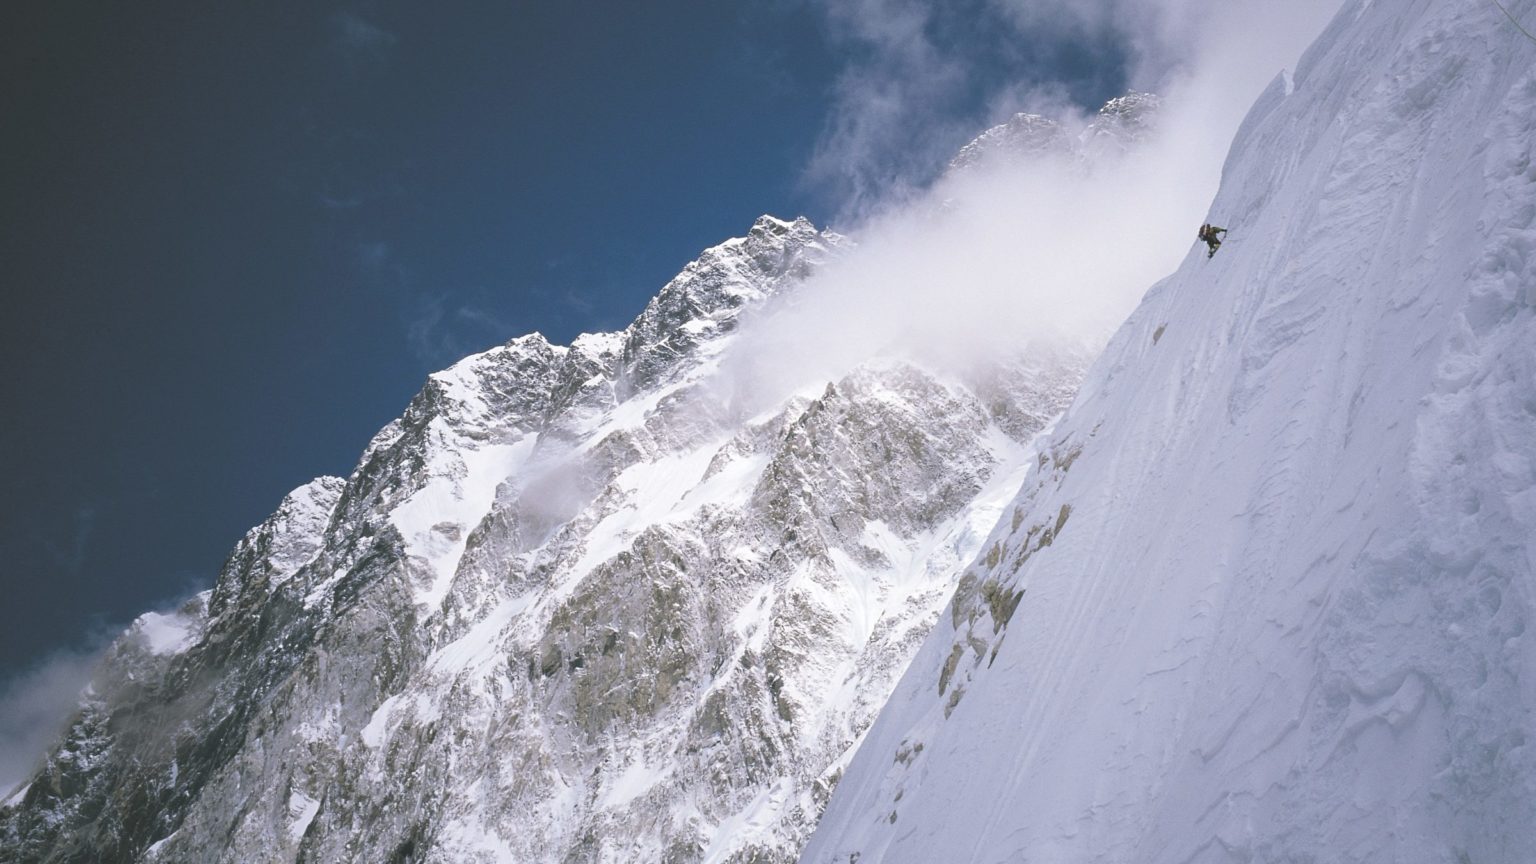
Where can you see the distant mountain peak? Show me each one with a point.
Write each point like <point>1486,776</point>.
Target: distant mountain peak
<point>1022,136</point>
<point>1026,138</point>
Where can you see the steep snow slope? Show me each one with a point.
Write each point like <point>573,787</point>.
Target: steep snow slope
<point>1267,595</point>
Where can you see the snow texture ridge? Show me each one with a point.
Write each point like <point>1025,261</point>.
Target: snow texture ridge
<point>1266,595</point>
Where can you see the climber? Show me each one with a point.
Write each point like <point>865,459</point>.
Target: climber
<point>1208,233</point>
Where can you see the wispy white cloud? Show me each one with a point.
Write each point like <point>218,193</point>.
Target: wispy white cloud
<point>897,115</point>
<point>373,256</point>
<point>38,703</point>
<point>35,708</point>
<point>331,202</point>
<point>437,330</point>
<point>577,301</point>
<point>361,44</point>
<point>440,332</point>
<point>1043,254</point>
<point>71,555</point>
<point>879,134</point>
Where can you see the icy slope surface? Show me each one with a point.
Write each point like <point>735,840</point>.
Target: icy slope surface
<point>1267,596</point>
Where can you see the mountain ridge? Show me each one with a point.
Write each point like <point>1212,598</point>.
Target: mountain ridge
<point>554,552</point>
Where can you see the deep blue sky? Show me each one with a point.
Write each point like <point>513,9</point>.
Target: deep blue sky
<point>236,236</point>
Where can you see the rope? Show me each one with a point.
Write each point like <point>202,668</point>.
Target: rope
<point>1513,21</point>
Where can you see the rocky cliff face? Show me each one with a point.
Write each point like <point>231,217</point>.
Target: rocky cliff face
<point>572,605</point>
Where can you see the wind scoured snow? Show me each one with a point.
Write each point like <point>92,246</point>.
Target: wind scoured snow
<point>480,644</point>
<point>631,782</point>
<point>1267,595</point>
<point>436,521</point>
<point>468,839</point>
<point>153,852</point>
<point>373,733</point>
<point>752,822</point>
<point>655,492</point>
<point>303,513</point>
<point>18,796</point>
<point>301,811</point>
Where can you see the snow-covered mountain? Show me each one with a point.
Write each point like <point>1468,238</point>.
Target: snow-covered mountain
<point>1267,596</point>
<point>1260,595</point>
<point>1122,123</point>
<point>579,603</point>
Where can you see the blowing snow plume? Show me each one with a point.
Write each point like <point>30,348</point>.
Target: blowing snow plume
<point>1288,619</point>
<point>1047,243</point>
<point>921,78</point>
<point>33,706</point>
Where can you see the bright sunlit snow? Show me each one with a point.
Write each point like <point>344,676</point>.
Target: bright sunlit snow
<point>1267,596</point>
